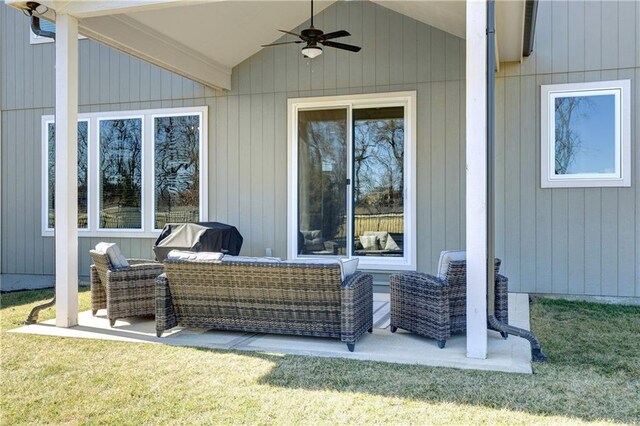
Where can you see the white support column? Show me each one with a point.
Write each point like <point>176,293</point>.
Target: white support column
<point>66,206</point>
<point>476,191</point>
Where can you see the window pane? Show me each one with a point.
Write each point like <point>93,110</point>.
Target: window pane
<point>378,169</point>
<point>121,173</point>
<point>83,135</point>
<point>585,134</point>
<point>177,169</point>
<point>322,175</point>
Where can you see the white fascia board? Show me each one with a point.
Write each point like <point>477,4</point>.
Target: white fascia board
<point>125,34</point>
<point>89,9</point>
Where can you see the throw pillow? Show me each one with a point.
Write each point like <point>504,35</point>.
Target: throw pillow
<point>369,242</point>
<point>382,237</point>
<point>391,244</point>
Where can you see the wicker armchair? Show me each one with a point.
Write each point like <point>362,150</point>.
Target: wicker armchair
<point>126,292</point>
<point>437,308</point>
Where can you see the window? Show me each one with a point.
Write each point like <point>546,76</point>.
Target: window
<point>50,175</point>
<point>352,179</point>
<point>177,169</point>
<point>136,171</point>
<point>585,134</point>
<point>46,26</point>
<point>120,173</point>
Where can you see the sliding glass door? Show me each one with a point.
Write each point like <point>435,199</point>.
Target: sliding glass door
<point>352,167</point>
<point>322,182</point>
<point>378,178</point>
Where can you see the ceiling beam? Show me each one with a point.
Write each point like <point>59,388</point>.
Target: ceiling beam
<point>129,36</point>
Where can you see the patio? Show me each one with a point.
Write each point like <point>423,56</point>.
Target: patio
<point>512,355</point>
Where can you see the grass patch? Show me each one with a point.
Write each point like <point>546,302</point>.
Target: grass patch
<point>593,376</point>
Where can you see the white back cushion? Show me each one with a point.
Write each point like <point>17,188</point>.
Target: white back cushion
<point>348,267</point>
<point>248,259</point>
<point>447,257</point>
<point>112,251</point>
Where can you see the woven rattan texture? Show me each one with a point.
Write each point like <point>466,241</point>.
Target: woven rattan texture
<point>280,298</point>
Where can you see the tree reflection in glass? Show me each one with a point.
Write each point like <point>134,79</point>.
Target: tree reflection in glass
<point>83,139</point>
<point>322,176</point>
<point>378,162</point>
<point>177,170</point>
<point>121,173</point>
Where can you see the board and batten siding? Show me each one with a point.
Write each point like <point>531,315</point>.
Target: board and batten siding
<point>247,126</point>
<point>564,241</point>
<point>579,241</point>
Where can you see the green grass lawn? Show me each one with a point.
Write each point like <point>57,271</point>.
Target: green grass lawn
<point>593,375</point>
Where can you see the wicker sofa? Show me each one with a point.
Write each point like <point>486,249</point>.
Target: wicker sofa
<point>305,299</point>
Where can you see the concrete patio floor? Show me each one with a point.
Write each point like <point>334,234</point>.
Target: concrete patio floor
<point>511,355</point>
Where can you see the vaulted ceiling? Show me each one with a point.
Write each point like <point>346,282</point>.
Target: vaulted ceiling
<point>204,40</point>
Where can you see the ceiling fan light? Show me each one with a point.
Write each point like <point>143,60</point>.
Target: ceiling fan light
<point>311,51</point>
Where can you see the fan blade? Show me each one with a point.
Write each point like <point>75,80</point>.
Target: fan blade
<point>292,33</point>
<point>284,42</point>
<point>335,34</point>
<point>341,46</point>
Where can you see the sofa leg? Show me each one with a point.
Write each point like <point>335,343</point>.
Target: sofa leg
<point>393,328</point>
<point>441,343</point>
<point>112,322</point>
<point>370,330</point>
<point>351,346</point>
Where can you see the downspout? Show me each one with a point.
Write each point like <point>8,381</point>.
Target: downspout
<point>35,27</point>
<point>536,351</point>
<point>530,14</point>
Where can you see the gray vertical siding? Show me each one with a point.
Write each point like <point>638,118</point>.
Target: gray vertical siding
<point>247,126</point>
<point>109,81</point>
<point>581,241</point>
<point>398,53</point>
<point>565,241</point>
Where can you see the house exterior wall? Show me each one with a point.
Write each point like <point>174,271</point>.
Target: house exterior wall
<point>563,241</point>
<point>247,126</point>
<point>580,241</point>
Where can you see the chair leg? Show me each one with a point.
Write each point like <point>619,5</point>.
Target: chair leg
<point>158,333</point>
<point>351,346</point>
<point>94,312</point>
<point>112,322</point>
<point>370,330</point>
<point>504,335</point>
<point>393,328</point>
<point>441,343</point>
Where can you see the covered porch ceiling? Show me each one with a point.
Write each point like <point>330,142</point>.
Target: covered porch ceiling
<point>203,40</point>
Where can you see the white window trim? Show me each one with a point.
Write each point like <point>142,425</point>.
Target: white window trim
<point>406,99</point>
<point>148,189</point>
<point>621,89</point>
<point>204,188</point>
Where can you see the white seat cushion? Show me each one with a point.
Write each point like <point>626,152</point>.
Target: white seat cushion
<point>190,255</point>
<point>447,257</point>
<point>112,251</point>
